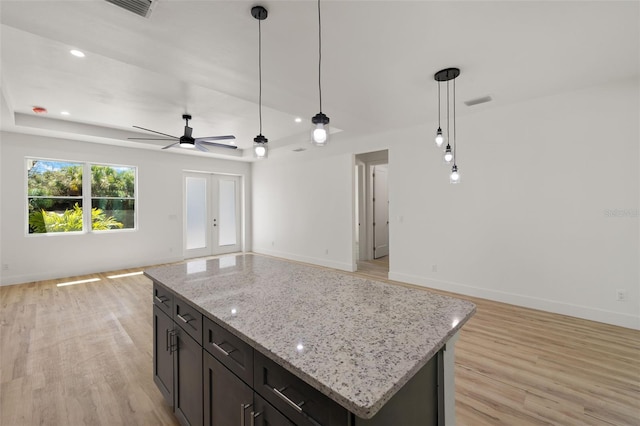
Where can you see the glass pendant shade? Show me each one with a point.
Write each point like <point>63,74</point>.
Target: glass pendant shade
<point>439,138</point>
<point>320,129</point>
<point>260,149</point>
<point>448,155</point>
<point>454,177</point>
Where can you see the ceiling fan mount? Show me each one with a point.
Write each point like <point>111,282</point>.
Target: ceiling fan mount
<point>187,140</point>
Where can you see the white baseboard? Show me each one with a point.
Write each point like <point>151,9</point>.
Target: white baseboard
<point>80,270</point>
<point>343,266</point>
<point>584,312</point>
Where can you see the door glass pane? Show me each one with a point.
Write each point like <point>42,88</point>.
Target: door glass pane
<point>227,206</point>
<point>196,213</point>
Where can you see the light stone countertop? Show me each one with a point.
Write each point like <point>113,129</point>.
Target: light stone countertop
<point>356,340</point>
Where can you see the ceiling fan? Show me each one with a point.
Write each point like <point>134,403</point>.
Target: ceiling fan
<point>186,140</point>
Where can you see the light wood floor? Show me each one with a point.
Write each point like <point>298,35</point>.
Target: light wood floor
<point>82,355</point>
<point>376,268</point>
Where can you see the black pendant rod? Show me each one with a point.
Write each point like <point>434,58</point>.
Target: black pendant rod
<point>319,56</point>
<point>260,71</point>
<point>454,121</point>
<point>448,107</point>
<point>439,105</point>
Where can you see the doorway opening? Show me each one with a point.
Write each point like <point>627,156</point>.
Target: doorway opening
<point>212,214</point>
<point>371,241</point>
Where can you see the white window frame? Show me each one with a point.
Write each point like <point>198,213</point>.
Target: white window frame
<point>86,198</point>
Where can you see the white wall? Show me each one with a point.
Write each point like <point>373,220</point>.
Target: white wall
<point>158,238</point>
<point>303,209</point>
<point>546,215</point>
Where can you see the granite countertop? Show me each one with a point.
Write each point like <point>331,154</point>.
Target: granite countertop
<point>356,340</point>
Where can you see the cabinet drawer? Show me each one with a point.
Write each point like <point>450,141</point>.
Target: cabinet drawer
<point>265,415</point>
<point>235,354</point>
<point>163,299</point>
<point>297,400</point>
<point>188,318</point>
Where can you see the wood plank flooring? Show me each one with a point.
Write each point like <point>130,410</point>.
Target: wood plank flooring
<point>82,355</point>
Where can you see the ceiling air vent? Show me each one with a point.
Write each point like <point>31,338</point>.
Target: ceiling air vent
<point>477,101</point>
<point>139,7</point>
<point>299,149</point>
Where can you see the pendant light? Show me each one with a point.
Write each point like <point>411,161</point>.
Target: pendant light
<point>447,75</point>
<point>260,148</point>
<point>320,128</point>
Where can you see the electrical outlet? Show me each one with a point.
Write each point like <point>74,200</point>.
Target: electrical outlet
<point>621,295</point>
<point>5,267</point>
<point>326,251</point>
<point>434,268</point>
<point>273,243</point>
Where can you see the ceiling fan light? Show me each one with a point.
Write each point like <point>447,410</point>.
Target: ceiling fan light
<point>187,144</point>
<point>320,129</point>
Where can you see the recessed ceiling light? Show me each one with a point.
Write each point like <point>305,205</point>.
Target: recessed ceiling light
<point>298,120</point>
<point>77,53</point>
<point>64,113</point>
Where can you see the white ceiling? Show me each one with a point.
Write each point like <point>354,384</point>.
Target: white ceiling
<point>379,57</point>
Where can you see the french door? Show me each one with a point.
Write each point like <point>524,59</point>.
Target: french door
<point>213,214</point>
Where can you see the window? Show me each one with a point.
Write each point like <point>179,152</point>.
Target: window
<point>57,192</point>
<point>112,194</point>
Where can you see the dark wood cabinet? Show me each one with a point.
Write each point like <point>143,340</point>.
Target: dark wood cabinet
<point>187,360</point>
<point>227,399</point>
<point>177,364</point>
<point>162,353</point>
<point>300,402</point>
<point>265,414</point>
<point>230,401</point>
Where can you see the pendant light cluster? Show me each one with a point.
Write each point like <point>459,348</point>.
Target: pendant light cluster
<point>320,129</point>
<point>449,157</point>
<point>260,148</point>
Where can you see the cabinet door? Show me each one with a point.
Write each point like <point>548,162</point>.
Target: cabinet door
<point>227,399</point>
<point>162,359</point>
<point>187,360</point>
<point>264,414</point>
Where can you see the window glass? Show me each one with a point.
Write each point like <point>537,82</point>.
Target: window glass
<point>112,197</point>
<point>54,196</point>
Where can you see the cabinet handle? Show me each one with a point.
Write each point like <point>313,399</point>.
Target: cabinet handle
<point>183,319</point>
<point>226,353</point>
<point>286,399</point>
<point>161,299</point>
<point>254,415</point>
<point>243,408</point>
<point>172,346</point>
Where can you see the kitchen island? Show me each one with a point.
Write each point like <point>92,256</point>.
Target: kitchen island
<point>250,339</point>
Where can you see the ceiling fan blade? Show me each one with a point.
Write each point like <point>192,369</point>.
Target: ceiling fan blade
<point>187,131</point>
<point>221,145</point>
<point>215,138</point>
<point>169,146</point>
<point>152,139</point>
<point>201,148</point>
<point>153,131</point>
